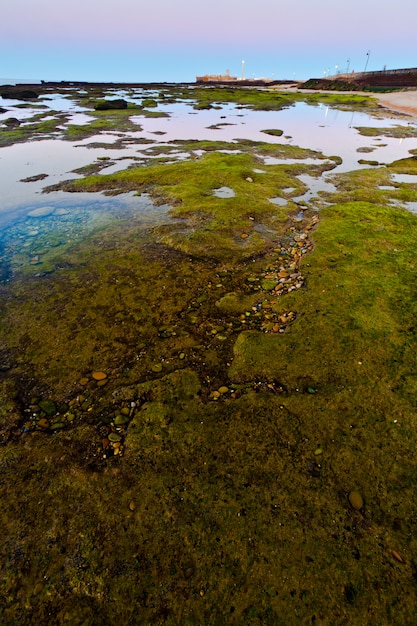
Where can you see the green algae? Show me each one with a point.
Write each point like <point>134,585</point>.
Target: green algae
<point>35,128</point>
<point>400,131</point>
<point>218,512</point>
<point>268,98</point>
<point>106,121</point>
<point>214,225</point>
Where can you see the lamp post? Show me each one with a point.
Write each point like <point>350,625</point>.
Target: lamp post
<point>367,59</point>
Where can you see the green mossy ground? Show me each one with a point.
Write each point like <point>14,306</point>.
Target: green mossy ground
<point>215,225</point>
<point>230,508</point>
<point>34,127</point>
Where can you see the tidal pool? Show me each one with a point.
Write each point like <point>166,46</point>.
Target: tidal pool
<point>318,127</point>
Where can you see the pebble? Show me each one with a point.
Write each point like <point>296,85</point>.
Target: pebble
<point>43,423</point>
<point>157,368</point>
<point>356,500</point>
<point>223,389</point>
<point>99,375</point>
<point>48,407</point>
<point>43,211</point>
<point>121,419</point>
<point>268,284</point>
<point>397,556</point>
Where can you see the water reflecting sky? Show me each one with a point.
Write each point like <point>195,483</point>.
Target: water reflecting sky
<point>320,128</point>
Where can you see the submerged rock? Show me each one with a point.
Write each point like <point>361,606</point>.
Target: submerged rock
<point>42,211</point>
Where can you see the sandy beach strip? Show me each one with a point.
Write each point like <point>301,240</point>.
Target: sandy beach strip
<point>403,101</point>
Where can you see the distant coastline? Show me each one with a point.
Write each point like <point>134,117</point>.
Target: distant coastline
<point>19,81</point>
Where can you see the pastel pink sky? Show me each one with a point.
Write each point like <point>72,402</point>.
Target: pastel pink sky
<point>167,40</point>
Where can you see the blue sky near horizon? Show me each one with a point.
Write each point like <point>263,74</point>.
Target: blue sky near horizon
<point>163,40</point>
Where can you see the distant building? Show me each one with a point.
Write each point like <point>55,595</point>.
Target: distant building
<point>216,78</point>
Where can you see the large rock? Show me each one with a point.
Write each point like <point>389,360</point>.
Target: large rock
<point>20,94</point>
<point>105,105</point>
<point>11,122</point>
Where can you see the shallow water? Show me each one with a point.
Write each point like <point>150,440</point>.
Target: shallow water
<point>404,178</point>
<point>330,131</point>
<point>224,192</point>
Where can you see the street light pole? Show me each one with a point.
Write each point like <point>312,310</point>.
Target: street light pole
<point>367,59</point>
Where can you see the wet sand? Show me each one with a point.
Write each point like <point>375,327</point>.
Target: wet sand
<point>404,101</point>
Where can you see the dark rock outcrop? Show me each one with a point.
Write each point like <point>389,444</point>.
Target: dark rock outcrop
<point>12,122</point>
<point>19,94</point>
<point>105,105</point>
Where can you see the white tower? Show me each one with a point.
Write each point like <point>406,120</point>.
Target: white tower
<point>243,70</point>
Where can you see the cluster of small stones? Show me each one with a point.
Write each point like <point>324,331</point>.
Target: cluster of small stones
<point>235,390</point>
<point>28,243</point>
<point>113,435</point>
<point>283,276</point>
<point>48,416</point>
<point>279,278</point>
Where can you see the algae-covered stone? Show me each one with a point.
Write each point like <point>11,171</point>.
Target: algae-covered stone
<point>114,437</point>
<point>121,419</point>
<point>356,500</point>
<point>167,400</point>
<point>252,357</point>
<point>48,407</point>
<point>235,303</point>
<point>105,105</point>
<point>268,284</point>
